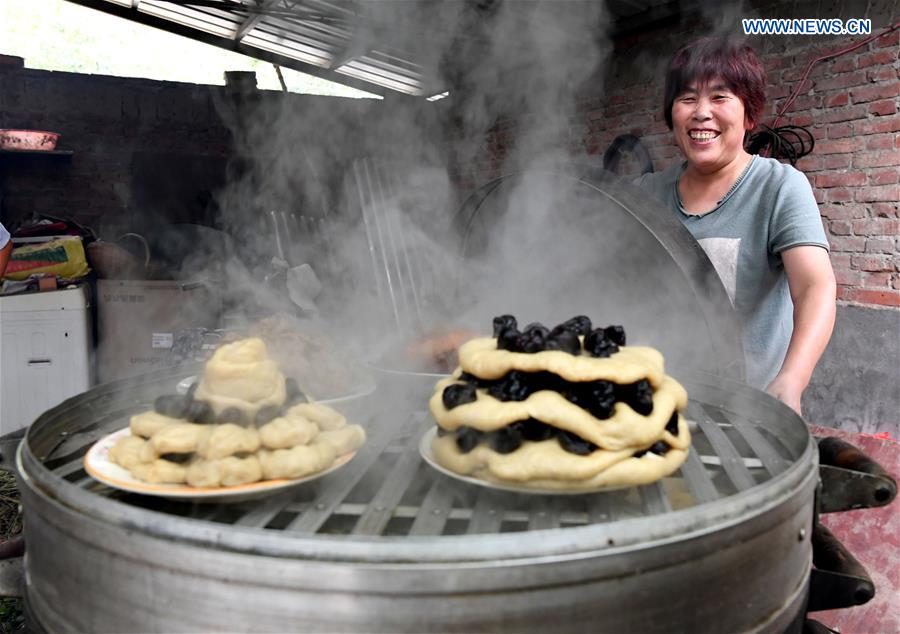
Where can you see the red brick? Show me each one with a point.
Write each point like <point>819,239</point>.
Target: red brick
<point>886,210</point>
<point>840,99</point>
<point>895,283</point>
<point>839,195</point>
<point>848,113</point>
<point>837,161</point>
<point>864,94</point>
<point>794,73</point>
<point>851,244</point>
<point>777,92</point>
<point>872,262</point>
<point>883,108</point>
<point>879,193</point>
<point>877,126</point>
<point>844,80</point>
<point>876,227</point>
<point>821,132</point>
<point>881,298</point>
<point>807,102</point>
<point>773,62</point>
<point>875,280</point>
<point>839,227</point>
<point>883,177</point>
<point>804,119</point>
<point>839,146</point>
<point>840,261</point>
<point>886,40</point>
<point>880,158</point>
<point>881,75</point>
<point>810,164</point>
<point>842,65</point>
<point>880,245</point>
<point>880,141</point>
<point>875,58</point>
<point>843,212</point>
<point>840,131</point>
<point>840,179</point>
<point>848,278</point>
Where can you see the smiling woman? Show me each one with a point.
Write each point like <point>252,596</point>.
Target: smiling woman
<point>755,217</point>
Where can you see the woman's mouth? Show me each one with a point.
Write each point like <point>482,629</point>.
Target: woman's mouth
<point>703,137</point>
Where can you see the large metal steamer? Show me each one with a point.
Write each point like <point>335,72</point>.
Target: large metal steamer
<point>388,544</point>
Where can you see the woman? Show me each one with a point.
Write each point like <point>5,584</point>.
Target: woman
<point>755,217</point>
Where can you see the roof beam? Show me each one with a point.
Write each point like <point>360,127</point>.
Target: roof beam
<point>355,47</point>
<point>252,21</point>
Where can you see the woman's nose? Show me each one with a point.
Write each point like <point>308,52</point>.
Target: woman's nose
<point>701,110</point>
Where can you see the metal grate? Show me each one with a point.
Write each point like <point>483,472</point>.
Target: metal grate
<point>388,489</point>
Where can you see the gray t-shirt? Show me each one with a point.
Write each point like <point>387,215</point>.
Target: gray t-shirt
<point>771,208</point>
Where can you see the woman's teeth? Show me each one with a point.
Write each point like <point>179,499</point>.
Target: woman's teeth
<point>703,136</point>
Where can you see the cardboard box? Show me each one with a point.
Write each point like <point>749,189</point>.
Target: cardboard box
<point>140,323</point>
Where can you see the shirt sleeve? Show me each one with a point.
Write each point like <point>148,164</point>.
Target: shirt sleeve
<point>795,219</point>
<point>4,236</point>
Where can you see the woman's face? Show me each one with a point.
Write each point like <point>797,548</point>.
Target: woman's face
<point>709,122</point>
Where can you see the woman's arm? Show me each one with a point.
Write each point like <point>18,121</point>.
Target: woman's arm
<point>811,281</point>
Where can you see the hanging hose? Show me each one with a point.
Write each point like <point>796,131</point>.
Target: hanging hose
<point>623,144</point>
<point>789,142</point>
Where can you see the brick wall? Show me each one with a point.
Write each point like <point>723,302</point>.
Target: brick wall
<point>104,121</point>
<point>849,103</point>
<point>125,133</point>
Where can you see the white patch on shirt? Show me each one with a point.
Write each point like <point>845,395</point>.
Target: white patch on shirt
<point>723,253</point>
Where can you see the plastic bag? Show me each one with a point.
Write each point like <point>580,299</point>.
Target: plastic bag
<point>63,258</point>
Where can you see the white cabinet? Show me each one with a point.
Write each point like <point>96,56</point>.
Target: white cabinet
<point>45,343</point>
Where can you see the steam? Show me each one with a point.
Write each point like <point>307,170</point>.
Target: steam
<point>368,195</point>
<point>378,178</point>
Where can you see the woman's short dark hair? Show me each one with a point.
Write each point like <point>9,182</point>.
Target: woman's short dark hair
<point>731,60</point>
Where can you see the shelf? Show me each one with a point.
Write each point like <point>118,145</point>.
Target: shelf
<point>58,153</point>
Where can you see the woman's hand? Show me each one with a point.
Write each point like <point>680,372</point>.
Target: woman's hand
<point>788,391</point>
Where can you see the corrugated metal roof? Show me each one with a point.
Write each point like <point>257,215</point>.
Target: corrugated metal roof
<point>377,46</point>
<point>312,36</point>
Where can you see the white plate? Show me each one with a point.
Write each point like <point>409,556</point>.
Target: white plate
<point>428,456</point>
<point>98,465</point>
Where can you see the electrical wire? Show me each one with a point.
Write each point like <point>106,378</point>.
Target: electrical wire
<point>789,142</point>
<point>809,66</point>
<point>793,142</point>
